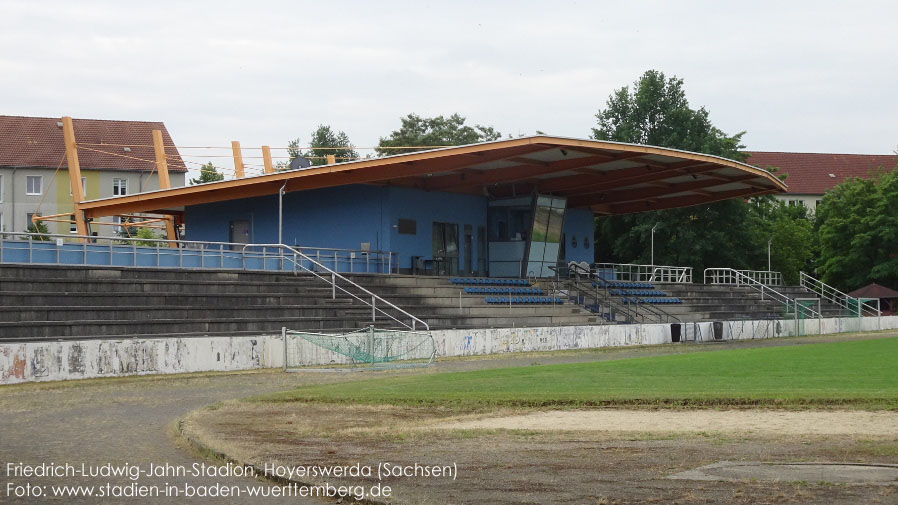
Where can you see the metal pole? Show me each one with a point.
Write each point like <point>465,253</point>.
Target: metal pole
<point>284,336</point>
<point>281,213</point>
<point>768,254</point>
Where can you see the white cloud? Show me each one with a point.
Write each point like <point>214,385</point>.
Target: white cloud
<point>803,76</point>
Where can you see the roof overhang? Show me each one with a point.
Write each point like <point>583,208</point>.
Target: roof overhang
<point>607,177</point>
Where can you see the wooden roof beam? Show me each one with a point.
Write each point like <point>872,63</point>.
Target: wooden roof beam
<point>577,184</point>
<point>620,196</point>
<point>685,201</point>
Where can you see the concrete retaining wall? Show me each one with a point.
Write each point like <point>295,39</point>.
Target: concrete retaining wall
<point>47,361</point>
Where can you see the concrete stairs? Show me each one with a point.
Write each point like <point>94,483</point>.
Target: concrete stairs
<point>65,302</point>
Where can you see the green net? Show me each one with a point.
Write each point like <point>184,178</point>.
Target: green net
<point>376,346</point>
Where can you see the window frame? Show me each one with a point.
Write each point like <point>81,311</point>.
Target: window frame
<point>116,186</point>
<point>83,187</point>
<point>40,179</point>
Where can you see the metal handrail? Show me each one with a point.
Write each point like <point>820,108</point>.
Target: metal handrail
<point>833,295</point>
<point>731,277</point>
<point>634,272</point>
<point>768,277</point>
<point>334,286</point>
<point>163,247</point>
<point>574,279</point>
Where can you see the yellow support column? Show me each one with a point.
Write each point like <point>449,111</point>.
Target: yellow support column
<point>266,157</point>
<point>71,154</point>
<point>331,159</point>
<point>161,164</point>
<point>238,159</point>
<point>164,183</point>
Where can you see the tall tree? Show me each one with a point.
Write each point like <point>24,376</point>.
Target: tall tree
<point>858,229</point>
<point>208,173</point>
<point>323,141</point>
<point>435,131</point>
<point>655,111</point>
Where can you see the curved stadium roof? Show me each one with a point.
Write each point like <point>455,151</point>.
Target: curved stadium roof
<point>606,177</point>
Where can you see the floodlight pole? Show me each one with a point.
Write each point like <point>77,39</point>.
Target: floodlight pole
<point>653,243</point>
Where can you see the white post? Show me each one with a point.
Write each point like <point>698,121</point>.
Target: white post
<point>284,336</point>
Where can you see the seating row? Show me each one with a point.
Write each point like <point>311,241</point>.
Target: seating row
<point>626,284</point>
<point>481,281</point>
<point>522,300</point>
<point>503,290</point>
<point>636,292</point>
<point>651,300</point>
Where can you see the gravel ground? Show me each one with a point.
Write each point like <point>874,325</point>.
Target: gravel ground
<point>130,420</point>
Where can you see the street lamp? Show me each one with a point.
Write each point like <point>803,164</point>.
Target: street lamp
<point>768,253</point>
<point>653,243</point>
<point>281,213</point>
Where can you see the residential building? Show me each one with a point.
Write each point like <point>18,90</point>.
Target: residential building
<point>810,175</point>
<point>116,159</point>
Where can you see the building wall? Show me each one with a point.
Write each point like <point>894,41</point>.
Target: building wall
<point>809,201</point>
<point>345,217</point>
<point>579,224</point>
<point>56,198</point>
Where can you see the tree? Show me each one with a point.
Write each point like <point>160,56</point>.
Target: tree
<point>208,173</point>
<point>790,231</point>
<point>858,231</point>
<point>40,228</point>
<point>656,112</point>
<point>434,131</point>
<point>148,237</point>
<point>324,141</point>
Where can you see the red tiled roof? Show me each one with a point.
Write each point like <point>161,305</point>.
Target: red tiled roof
<point>809,172</point>
<point>38,142</point>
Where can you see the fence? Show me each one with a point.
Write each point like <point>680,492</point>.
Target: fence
<point>643,273</point>
<point>34,248</point>
<point>379,347</point>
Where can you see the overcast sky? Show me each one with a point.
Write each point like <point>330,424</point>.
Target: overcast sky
<point>797,76</point>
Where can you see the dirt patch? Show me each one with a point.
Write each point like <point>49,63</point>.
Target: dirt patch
<point>768,422</point>
<point>529,466</point>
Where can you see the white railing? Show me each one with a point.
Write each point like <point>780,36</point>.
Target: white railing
<point>827,292</point>
<point>58,249</point>
<point>731,277</point>
<point>768,277</point>
<point>299,260</point>
<point>632,272</point>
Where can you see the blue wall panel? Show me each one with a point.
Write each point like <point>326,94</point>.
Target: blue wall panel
<point>581,224</point>
<point>344,217</point>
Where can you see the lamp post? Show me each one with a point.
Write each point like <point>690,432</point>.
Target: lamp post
<point>653,243</point>
<point>768,253</point>
<point>281,213</point>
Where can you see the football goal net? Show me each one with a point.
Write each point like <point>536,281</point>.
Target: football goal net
<point>368,347</point>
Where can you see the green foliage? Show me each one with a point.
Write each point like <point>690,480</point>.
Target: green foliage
<point>729,233</point>
<point>856,373</point>
<point>435,131</point>
<point>858,231</point>
<point>656,112</point>
<point>323,141</point>
<point>146,233</point>
<point>790,231</point>
<point>208,173</point>
<point>38,227</point>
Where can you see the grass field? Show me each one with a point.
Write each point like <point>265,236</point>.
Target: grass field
<point>861,374</point>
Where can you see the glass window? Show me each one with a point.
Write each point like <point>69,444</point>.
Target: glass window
<point>119,187</point>
<point>33,184</point>
<point>83,187</point>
